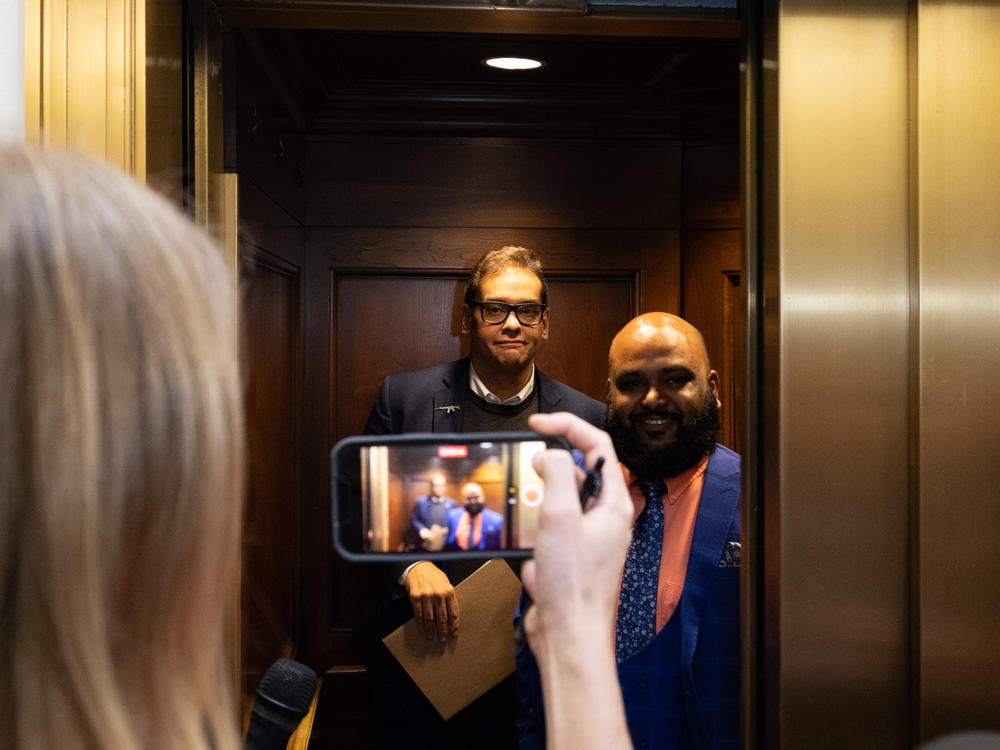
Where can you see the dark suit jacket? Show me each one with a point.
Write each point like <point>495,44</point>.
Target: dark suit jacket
<point>710,625</point>
<point>416,401</point>
<point>420,517</point>
<point>492,526</point>
<point>409,402</point>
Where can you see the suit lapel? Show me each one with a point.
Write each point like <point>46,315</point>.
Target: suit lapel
<point>548,397</point>
<point>449,400</point>
<point>716,510</point>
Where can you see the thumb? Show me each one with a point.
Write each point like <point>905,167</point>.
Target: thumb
<point>528,577</point>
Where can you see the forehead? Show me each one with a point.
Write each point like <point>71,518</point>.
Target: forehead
<point>471,489</point>
<point>511,285</point>
<point>655,348</point>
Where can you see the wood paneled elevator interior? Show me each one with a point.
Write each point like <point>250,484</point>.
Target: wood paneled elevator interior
<point>374,168</point>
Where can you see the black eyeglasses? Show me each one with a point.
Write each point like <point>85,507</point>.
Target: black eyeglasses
<point>495,313</point>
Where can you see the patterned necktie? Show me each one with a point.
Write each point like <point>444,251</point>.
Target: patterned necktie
<point>637,604</point>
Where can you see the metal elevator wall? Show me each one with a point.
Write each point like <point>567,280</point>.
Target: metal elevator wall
<point>879,360</point>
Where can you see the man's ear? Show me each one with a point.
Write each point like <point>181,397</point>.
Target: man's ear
<point>544,325</point>
<point>713,383</point>
<point>466,319</point>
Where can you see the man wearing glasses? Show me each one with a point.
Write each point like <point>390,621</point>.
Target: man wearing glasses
<point>496,388</point>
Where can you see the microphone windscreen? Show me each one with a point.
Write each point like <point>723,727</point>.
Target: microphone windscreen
<point>283,698</point>
<point>288,686</point>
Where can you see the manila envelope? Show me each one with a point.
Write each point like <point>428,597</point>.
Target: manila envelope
<point>453,674</point>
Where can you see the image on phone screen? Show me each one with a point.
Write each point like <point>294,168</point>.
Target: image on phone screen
<point>476,494</point>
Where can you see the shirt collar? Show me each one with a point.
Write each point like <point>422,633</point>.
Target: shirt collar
<point>480,389</point>
<point>675,485</point>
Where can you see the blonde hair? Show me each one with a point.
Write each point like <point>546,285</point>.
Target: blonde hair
<point>120,464</point>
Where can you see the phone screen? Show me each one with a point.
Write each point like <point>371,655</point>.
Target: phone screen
<point>430,496</point>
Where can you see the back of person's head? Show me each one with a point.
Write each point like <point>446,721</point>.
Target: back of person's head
<point>499,260</point>
<point>120,464</point>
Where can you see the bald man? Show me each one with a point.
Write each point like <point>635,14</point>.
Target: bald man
<point>678,627</point>
<point>474,526</point>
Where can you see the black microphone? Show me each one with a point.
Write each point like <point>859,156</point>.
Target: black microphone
<point>283,698</point>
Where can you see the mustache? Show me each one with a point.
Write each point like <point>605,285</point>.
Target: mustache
<point>642,413</point>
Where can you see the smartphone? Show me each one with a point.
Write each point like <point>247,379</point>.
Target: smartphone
<point>431,496</point>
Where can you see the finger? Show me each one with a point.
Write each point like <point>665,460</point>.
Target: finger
<point>581,435</point>
<point>441,620</point>
<point>421,621</point>
<point>452,604</point>
<point>429,625</point>
<point>528,577</point>
<point>557,470</point>
<point>530,623</point>
<point>593,443</point>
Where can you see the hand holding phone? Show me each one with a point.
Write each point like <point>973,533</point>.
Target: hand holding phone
<point>577,548</point>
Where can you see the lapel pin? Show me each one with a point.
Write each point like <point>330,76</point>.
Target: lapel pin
<point>449,409</point>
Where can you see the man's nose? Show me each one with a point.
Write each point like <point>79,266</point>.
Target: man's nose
<point>652,396</point>
<point>511,320</point>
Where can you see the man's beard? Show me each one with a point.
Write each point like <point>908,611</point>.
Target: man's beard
<point>691,443</point>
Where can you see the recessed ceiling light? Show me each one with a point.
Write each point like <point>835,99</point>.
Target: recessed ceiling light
<point>513,63</point>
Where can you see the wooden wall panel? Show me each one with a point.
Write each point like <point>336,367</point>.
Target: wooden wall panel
<point>586,314</point>
<point>712,185</point>
<point>712,262</point>
<point>269,151</point>
<point>271,330</point>
<point>492,182</point>
<point>273,162</point>
<point>712,303</point>
<point>270,341</point>
<point>385,324</point>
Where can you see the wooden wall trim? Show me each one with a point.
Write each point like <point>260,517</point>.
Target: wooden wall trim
<point>656,251</point>
<point>272,358</point>
<point>492,182</point>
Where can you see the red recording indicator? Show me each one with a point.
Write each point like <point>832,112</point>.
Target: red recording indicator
<point>453,451</point>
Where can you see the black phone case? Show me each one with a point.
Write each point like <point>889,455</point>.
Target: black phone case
<point>346,497</point>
